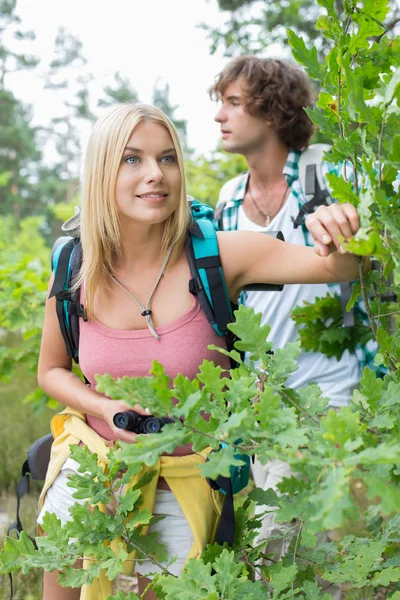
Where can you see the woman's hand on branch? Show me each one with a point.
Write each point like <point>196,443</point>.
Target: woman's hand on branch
<point>332,225</point>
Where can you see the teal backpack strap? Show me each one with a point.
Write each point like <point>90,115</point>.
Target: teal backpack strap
<point>66,260</point>
<point>208,281</point>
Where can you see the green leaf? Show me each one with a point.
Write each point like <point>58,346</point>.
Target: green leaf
<point>124,596</point>
<point>333,502</point>
<point>220,462</point>
<point>115,564</point>
<point>161,385</point>
<point>195,582</point>
<point>281,578</point>
<point>339,427</point>
<point>210,377</point>
<point>383,454</point>
<point>311,399</point>
<point>137,518</point>
<point>330,7</point>
<point>357,564</point>
<point>252,335</point>
<point>388,493</point>
<point>314,592</point>
<point>342,190</point>
<point>227,569</point>
<point>75,578</point>
<point>127,503</point>
<point>371,388</point>
<point>387,576</point>
<point>383,421</point>
<point>323,121</point>
<point>264,497</point>
<point>93,526</point>
<point>148,546</point>
<point>283,362</point>
<point>14,553</point>
<point>308,58</point>
<point>148,448</point>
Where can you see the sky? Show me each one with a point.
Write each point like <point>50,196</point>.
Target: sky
<point>143,40</point>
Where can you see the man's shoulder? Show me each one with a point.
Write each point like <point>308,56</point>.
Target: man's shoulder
<point>228,191</point>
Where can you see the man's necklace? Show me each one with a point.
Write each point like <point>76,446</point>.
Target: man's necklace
<point>267,217</point>
<point>145,311</point>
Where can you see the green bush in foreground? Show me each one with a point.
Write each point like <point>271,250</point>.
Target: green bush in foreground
<point>346,461</point>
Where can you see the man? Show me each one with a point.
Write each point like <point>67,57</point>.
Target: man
<point>262,117</point>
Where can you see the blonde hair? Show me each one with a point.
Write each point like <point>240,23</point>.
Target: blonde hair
<point>100,229</point>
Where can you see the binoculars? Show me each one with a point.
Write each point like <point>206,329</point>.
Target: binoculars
<point>132,421</point>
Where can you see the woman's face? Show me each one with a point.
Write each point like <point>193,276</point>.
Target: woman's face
<point>148,181</point>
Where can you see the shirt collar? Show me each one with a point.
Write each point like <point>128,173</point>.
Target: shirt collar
<point>291,168</point>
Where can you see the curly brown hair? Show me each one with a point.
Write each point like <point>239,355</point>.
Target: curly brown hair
<point>274,90</point>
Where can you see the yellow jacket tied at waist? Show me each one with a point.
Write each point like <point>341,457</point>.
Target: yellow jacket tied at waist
<point>200,504</point>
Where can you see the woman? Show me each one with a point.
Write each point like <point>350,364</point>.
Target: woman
<point>134,223</point>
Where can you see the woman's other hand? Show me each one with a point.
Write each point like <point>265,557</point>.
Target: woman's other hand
<point>332,225</point>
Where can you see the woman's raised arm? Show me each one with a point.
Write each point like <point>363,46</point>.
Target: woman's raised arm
<point>249,257</point>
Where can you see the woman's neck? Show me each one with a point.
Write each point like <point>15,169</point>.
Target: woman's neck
<point>141,247</point>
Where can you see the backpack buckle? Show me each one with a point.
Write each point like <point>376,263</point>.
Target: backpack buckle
<point>75,308</point>
<point>195,285</point>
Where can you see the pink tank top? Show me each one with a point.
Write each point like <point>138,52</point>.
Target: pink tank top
<point>181,349</point>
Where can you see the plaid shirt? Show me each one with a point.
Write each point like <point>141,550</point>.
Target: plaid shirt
<point>227,215</point>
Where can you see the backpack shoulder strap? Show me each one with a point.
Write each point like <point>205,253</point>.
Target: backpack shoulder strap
<point>314,188</point>
<point>66,261</point>
<point>34,466</point>
<point>312,181</point>
<point>208,281</point>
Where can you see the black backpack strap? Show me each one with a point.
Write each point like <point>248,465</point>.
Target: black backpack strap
<point>221,307</point>
<point>23,488</point>
<point>225,312</point>
<point>319,197</point>
<point>226,527</point>
<point>35,467</point>
<point>68,306</point>
<point>219,313</point>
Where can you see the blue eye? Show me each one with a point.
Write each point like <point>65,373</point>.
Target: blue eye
<point>132,160</point>
<point>170,159</point>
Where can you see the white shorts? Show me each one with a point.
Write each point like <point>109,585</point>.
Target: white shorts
<point>174,530</point>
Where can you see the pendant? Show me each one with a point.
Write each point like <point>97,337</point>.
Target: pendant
<point>267,221</point>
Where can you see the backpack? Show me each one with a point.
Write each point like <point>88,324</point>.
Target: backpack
<point>317,194</point>
<point>207,283</point>
<point>312,183</point>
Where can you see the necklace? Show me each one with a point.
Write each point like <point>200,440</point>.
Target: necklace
<point>267,217</point>
<point>145,311</point>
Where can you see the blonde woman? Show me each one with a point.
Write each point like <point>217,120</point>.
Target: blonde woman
<point>134,223</point>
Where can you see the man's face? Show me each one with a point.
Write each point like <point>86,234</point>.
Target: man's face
<point>241,132</point>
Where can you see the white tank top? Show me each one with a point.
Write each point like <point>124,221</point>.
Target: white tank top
<point>336,378</point>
